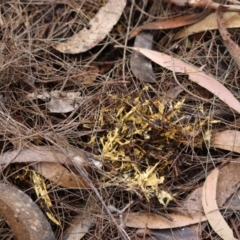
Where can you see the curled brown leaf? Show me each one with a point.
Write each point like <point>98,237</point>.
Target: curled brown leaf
<point>100,26</point>
<point>171,23</point>
<point>23,216</point>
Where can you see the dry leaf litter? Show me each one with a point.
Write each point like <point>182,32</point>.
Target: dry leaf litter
<point>111,142</point>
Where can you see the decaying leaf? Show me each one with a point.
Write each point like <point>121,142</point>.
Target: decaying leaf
<point>140,65</point>
<point>91,74</point>
<point>49,154</point>
<point>64,102</point>
<point>195,74</point>
<point>78,228</point>
<point>210,207</point>
<point>174,92</point>
<point>171,23</point>
<point>81,224</point>
<point>228,140</point>
<point>193,3</point>
<point>100,26</point>
<point>232,205</point>
<point>228,181</point>
<point>193,202</point>
<point>154,221</point>
<point>203,4</point>
<point>210,23</point>
<point>185,233</point>
<point>232,47</point>
<point>60,102</point>
<point>59,175</point>
<point>23,215</point>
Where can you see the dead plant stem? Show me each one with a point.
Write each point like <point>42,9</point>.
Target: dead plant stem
<point>126,39</point>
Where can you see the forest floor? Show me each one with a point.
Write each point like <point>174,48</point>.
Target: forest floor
<point>119,119</point>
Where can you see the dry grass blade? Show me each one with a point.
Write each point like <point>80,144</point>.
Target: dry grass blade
<point>40,2</point>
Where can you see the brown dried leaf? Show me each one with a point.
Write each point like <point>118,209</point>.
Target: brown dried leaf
<point>48,154</point>
<point>63,102</point>
<point>210,207</point>
<point>185,233</point>
<point>100,26</point>
<point>90,77</point>
<point>140,65</point>
<point>173,92</point>
<point>193,3</point>
<point>154,221</point>
<point>23,215</point>
<point>210,23</point>
<point>232,47</point>
<point>59,175</point>
<point>228,181</point>
<point>228,140</point>
<point>202,4</point>
<point>78,228</point>
<point>195,74</point>
<point>193,203</point>
<point>171,23</point>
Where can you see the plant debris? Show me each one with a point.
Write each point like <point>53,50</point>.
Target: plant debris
<point>104,136</point>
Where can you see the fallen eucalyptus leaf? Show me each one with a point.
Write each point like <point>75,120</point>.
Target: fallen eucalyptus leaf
<point>210,207</point>
<point>51,154</point>
<point>62,102</point>
<point>228,140</point>
<point>140,65</point>
<point>100,26</point>
<point>209,23</point>
<point>171,23</point>
<point>195,75</point>
<point>60,175</point>
<point>23,216</point>
<point>154,221</point>
<point>78,228</point>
